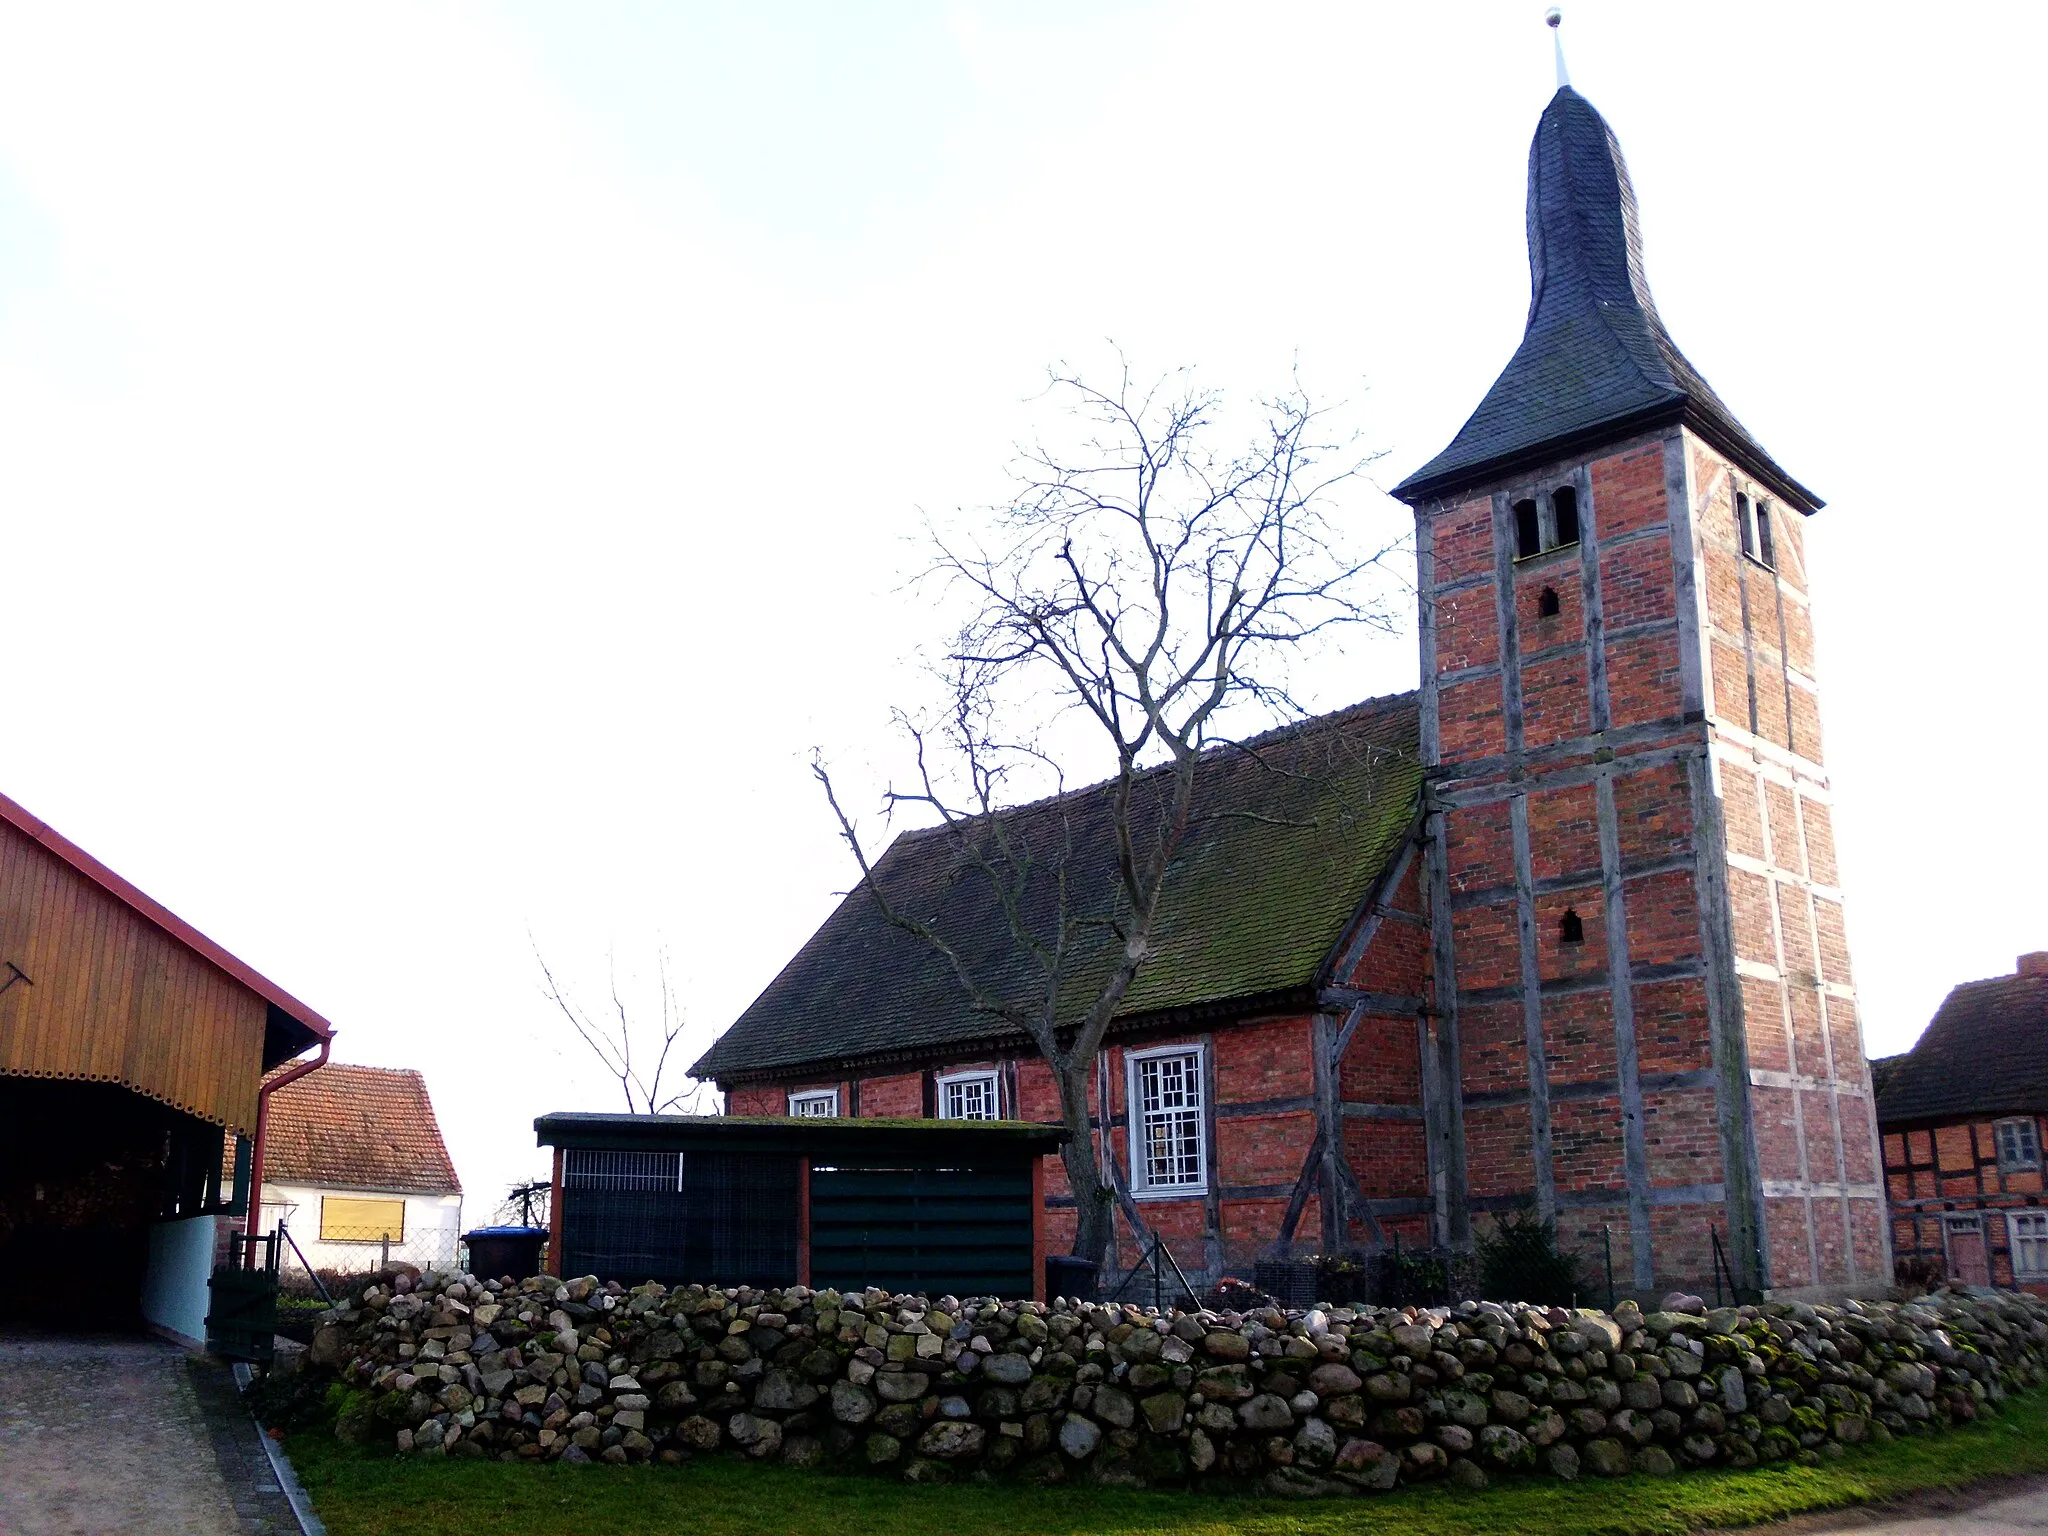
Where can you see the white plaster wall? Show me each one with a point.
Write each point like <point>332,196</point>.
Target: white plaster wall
<point>433,1223</point>
<point>174,1294</point>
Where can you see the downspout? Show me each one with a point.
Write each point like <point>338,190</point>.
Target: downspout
<point>263,1093</point>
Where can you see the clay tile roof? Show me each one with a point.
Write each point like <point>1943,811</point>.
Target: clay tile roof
<point>1595,359</point>
<point>358,1128</point>
<point>1986,1053</point>
<point>1290,832</point>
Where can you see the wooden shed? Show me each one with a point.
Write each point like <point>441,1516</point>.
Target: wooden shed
<point>908,1205</point>
<point>132,1058</point>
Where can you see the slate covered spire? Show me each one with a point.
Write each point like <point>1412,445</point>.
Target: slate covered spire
<point>1595,362</point>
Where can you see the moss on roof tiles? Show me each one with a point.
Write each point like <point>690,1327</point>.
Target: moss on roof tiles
<point>1291,830</point>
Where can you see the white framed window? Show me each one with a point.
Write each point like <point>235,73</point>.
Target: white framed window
<point>1167,1113</point>
<point>969,1096</point>
<point>820,1104</point>
<point>2027,1234</point>
<point>2019,1144</point>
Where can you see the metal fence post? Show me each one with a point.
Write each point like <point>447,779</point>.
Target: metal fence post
<point>1607,1251</point>
<point>387,1250</point>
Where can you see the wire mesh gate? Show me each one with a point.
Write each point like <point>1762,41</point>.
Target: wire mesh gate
<point>719,1218</point>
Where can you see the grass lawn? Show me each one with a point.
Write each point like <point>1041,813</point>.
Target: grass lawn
<point>364,1496</point>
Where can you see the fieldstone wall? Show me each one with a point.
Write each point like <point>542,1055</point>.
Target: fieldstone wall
<point>1324,1401</point>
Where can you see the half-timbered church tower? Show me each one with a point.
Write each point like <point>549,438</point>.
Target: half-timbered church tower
<point>1561,929</point>
<point>1643,1006</point>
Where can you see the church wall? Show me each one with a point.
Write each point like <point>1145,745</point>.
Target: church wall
<point>1265,1099</point>
<point>1811,1087</point>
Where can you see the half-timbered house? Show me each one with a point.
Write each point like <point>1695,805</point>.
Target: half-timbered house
<point>1962,1115</point>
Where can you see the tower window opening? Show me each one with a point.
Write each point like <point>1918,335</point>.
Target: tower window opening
<point>1564,507</point>
<point>1765,551</point>
<point>1569,929</point>
<point>1546,605</point>
<point>1528,530</point>
<point>1745,530</point>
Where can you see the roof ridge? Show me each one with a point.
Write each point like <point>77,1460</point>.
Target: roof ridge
<point>1986,981</point>
<point>1661,345</point>
<point>167,922</point>
<point>1378,703</point>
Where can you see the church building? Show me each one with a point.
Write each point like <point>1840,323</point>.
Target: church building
<point>1560,930</point>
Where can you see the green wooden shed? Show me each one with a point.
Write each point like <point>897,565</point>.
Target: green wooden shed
<point>937,1206</point>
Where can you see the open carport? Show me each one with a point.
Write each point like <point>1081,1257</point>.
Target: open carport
<point>133,1054</point>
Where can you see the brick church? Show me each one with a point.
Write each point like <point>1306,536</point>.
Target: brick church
<point>1560,929</point>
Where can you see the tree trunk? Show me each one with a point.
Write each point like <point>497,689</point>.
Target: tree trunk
<point>1092,1209</point>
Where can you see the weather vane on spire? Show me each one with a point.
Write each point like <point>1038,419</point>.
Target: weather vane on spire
<point>1555,18</point>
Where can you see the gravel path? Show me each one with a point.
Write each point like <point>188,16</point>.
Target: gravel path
<point>2006,1506</point>
<point>123,1434</point>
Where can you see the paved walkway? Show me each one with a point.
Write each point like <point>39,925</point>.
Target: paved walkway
<point>115,1434</point>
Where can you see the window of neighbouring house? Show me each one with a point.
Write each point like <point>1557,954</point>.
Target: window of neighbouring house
<point>969,1096</point>
<point>359,1219</point>
<point>820,1105</point>
<point>2019,1145</point>
<point>2028,1233</point>
<point>1165,1088</point>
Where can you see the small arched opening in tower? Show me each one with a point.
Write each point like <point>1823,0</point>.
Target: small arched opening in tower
<point>1564,506</point>
<point>1569,929</point>
<point>1546,604</point>
<point>1528,530</point>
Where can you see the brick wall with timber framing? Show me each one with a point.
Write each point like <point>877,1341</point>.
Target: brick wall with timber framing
<point>1957,1202</point>
<point>1298,1101</point>
<point>1642,1016</point>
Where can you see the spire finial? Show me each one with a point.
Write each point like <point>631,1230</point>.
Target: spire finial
<point>1555,19</point>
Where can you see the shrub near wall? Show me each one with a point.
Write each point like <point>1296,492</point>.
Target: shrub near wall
<point>1302,1402</point>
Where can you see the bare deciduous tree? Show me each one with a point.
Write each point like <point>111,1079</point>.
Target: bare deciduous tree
<point>1155,589</point>
<point>634,1050</point>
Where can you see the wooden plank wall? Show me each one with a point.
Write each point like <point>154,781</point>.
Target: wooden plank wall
<point>111,998</point>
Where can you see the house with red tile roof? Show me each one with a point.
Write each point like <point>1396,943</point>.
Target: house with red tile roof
<point>356,1171</point>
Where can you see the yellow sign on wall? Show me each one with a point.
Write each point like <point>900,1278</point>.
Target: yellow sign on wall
<point>361,1219</point>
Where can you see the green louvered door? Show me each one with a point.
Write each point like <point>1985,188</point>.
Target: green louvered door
<point>957,1231</point>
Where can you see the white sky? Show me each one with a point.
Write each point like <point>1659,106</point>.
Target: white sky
<point>456,461</point>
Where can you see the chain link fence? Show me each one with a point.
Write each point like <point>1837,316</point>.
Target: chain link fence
<point>341,1255</point>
